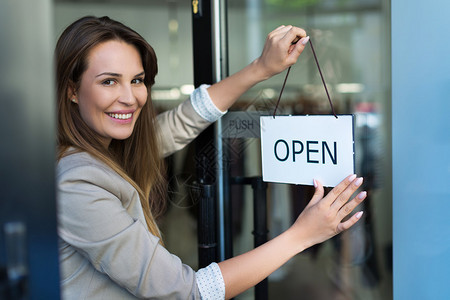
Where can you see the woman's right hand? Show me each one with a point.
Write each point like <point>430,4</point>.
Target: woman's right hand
<point>281,50</point>
<point>323,217</point>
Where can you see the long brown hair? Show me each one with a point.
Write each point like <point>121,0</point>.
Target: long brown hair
<point>137,158</point>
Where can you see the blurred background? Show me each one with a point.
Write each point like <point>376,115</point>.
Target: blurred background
<point>352,42</point>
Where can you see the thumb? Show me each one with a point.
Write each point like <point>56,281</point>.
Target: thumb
<point>318,194</point>
<point>296,49</point>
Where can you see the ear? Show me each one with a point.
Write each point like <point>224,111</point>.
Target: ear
<point>71,92</point>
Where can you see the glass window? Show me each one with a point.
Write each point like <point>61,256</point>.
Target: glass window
<point>351,39</point>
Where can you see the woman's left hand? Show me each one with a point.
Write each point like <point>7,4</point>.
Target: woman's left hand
<point>281,50</point>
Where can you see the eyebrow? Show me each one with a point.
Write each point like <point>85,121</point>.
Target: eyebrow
<point>117,74</point>
<point>109,74</point>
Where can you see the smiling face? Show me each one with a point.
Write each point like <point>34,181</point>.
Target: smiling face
<point>112,90</point>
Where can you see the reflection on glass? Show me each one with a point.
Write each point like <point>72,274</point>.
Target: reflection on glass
<point>350,42</point>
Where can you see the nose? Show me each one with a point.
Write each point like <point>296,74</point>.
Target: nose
<point>127,96</point>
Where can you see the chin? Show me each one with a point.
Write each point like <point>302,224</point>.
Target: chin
<point>121,137</point>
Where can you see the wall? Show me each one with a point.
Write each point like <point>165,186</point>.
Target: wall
<point>421,148</point>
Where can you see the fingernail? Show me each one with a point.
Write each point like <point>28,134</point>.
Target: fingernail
<point>359,215</point>
<point>362,195</point>
<point>315,183</point>
<point>358,181</point>
<point>351,178</point>
<point>305,40</point>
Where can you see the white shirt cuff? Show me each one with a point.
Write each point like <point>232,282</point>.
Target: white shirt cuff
<point>210,283</point>
<point>204,106</point>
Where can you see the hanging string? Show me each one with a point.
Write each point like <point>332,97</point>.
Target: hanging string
<point>281,92</point>
<point>321,76</point>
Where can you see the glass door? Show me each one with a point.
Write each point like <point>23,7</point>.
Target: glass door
<point>351,39</point>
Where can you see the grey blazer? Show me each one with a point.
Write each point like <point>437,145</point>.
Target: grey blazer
<point>106,251</point>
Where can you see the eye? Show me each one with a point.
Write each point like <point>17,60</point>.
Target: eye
<point>138,80</point>
<point>109,82</point>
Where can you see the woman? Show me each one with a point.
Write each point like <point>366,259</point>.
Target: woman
<point>110,174</point>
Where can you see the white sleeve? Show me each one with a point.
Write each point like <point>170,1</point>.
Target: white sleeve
<point>204,106</point>
<point>210,283</point>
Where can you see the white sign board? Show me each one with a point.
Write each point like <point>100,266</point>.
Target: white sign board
<point>298,149</point>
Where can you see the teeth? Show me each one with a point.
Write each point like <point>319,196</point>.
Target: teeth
<point>121,116</point>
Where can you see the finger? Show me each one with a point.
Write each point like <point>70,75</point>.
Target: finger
<point>318,194</point>
<point>302,41</point>
<point>337,190</point>
<point>346,194</point>
<point>296,49</point>
<point>350,206</point>
<point>294,33</point>
<point>278,28</point>
<point>279,32</point>
<point>349,223</point>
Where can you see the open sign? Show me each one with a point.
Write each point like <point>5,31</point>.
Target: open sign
<point>298,149</point>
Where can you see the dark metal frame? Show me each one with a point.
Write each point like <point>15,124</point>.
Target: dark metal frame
<point>214,224</point>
